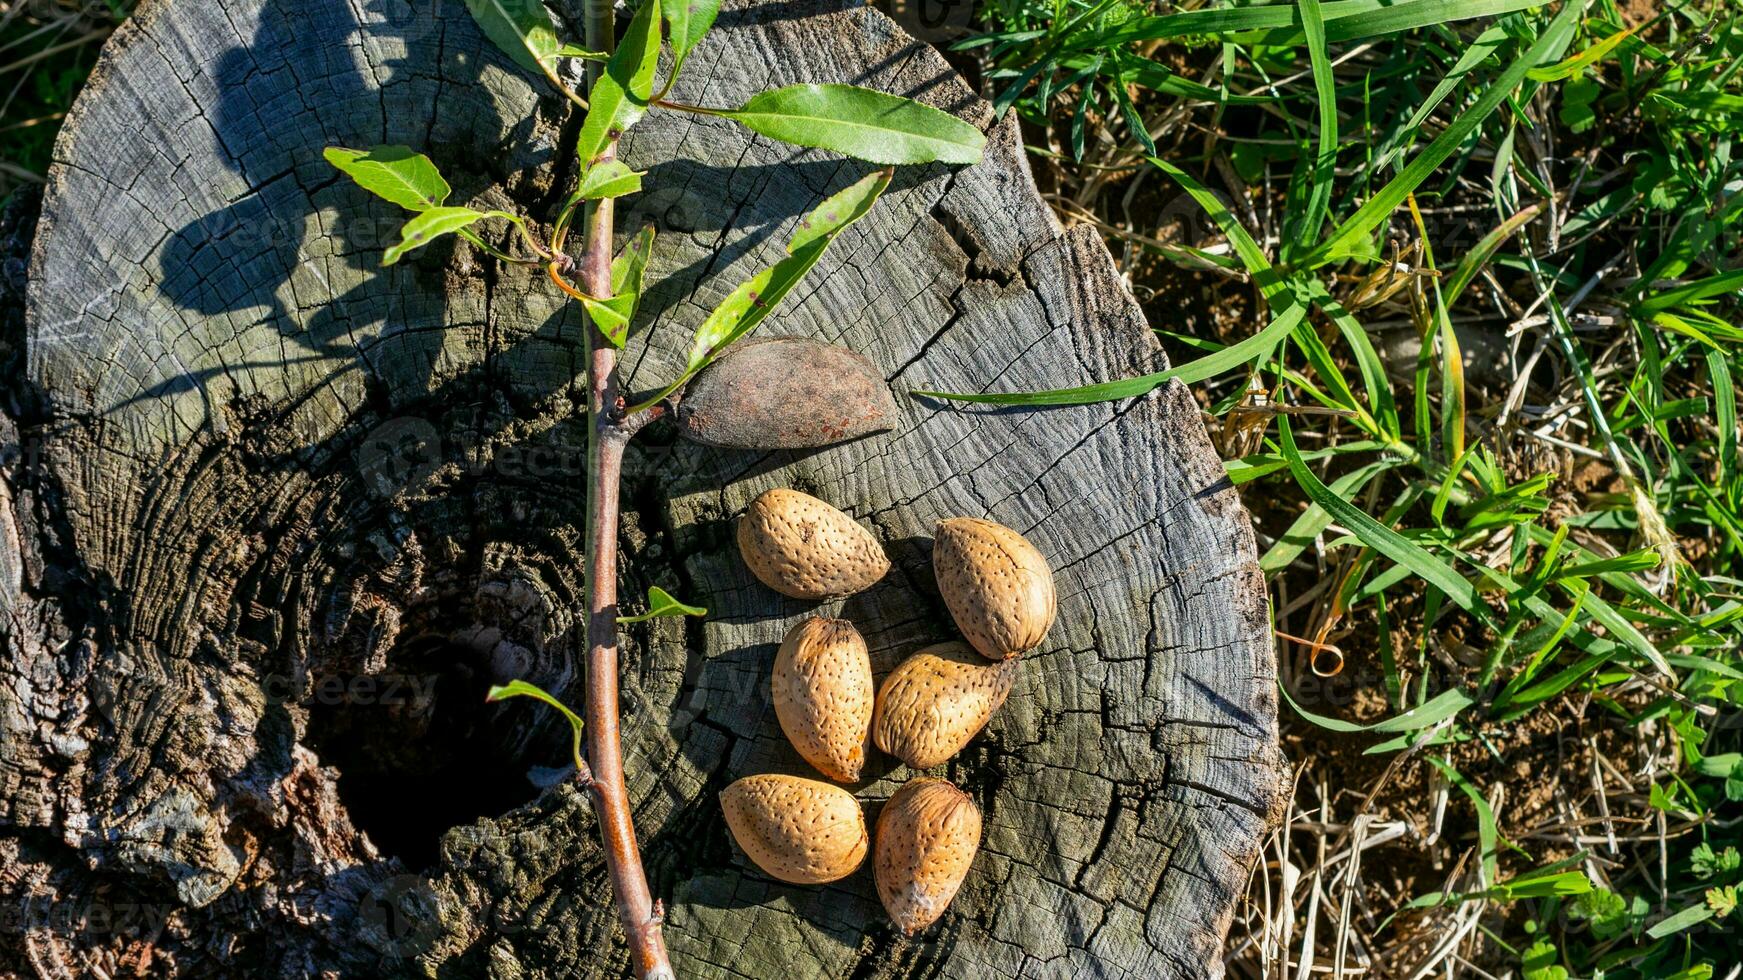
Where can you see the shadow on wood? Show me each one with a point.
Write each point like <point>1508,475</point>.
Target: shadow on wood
<point>267,481</point>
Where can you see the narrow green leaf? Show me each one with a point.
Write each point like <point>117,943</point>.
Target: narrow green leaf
<point>1315,518</point>
<point>394,173</point>
<point>1192,372</point>
<point>1443,706</point>
<point>687,23</point>
<point>1692,916</point>
<point>1319,194</point>
<point>1485,249</point>
<point>1577,63</point>
<point>1689,293</point>
<point>620,95</point>
<point>1488,833</point>
<point>862,123</point>
<point>615,315</point>
<point>1725,411</point>
<point>1355,229</point>
<point>753,300</point>
<point>661,603</point>
<point>524,689</point>
<point>1346,20</point>
<point>429,226</point>
<point>613,178</point>
<point>1381,538</point>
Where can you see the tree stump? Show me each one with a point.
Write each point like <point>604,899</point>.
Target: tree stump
<point>273,518</point>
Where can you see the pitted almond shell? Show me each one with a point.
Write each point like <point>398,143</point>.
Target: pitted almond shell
<point>927,836</point>
<point>824,695</point>
<point>798,830</point>
<point>997,586</point>
<point>936,701</point>
<point>802,547</point>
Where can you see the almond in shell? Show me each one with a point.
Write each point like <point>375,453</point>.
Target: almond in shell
<point>824,693</point>
<point>934,702</point>
<point>927,835</point>
<point>997,586</point>
<point>802,547</point>
<point>798,830</point>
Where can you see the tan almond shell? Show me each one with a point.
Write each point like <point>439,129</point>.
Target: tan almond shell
<point>824,694</point>
<point>936,701</point>
<point>997,586</point>
<point>802,831</point>
<point>927,835</point>
<point>802,547</point>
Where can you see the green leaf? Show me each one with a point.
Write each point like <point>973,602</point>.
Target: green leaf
<point>661,603</point>
<point>523,689</point>
<point>1192,372</point>
<point>620,96</point>
<point>1378,208</point>
<point>1539,962</point>
<point>1488,833</point>
<point>862,123</point>
<point>751,302</point>
<point>523,28</point>
<point>394,173</point>
<point>1382,538</point>
<point>613,178</point>
<point>1319,196</point>
<point>613,316</point>
<point>1691,916</point>
<point>1580,62</point>
<point>1281,24</point>
<point>1443,706</point>
<point>687,23</point>
<point>429,226</point>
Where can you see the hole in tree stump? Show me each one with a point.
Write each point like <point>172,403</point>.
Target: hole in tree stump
<point>416,747</point>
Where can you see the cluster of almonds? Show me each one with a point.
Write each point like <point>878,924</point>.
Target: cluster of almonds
<point>805,831</point>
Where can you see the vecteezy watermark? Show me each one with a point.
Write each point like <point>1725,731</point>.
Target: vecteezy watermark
<point>934,21</point>
<point>354,690</point>
<point>400,916</point>
<point>90,919</point>
<point>402,452</point>
<point>399,453</point>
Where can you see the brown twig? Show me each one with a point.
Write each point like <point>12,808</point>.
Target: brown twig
<point>607,435</point>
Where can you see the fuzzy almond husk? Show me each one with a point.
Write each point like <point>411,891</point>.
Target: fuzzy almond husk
<point>802,547</point>
<point>927,835</point>
<point>799,830</point>
<point>936,701</point>
<point>997,586</point>
<point>824,694</point>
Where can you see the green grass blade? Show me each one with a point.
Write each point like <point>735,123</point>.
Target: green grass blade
<point>1319,194</point>
<point>1371,215</point>
<point>1383,539</point>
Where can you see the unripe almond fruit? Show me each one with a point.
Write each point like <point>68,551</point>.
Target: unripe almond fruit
<point>798,830</point>
<point>934,702</point>
<point>998,587</point>
<point>823,693</point>
<point>802,547</point>
<point>927,836</point>
<point>786,393</point>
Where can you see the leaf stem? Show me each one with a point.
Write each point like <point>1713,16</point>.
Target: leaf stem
<point>686,107</point>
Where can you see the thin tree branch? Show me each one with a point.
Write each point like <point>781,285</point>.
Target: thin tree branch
<point>606,438</point>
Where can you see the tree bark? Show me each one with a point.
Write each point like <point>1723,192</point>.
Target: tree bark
<point>273,518</point>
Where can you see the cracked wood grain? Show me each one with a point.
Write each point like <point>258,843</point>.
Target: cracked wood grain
<point>259,462</point>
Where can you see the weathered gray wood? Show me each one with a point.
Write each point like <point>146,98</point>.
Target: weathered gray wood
<point>260,463</point>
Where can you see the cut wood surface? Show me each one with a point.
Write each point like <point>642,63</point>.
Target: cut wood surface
<point>273,518</point>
